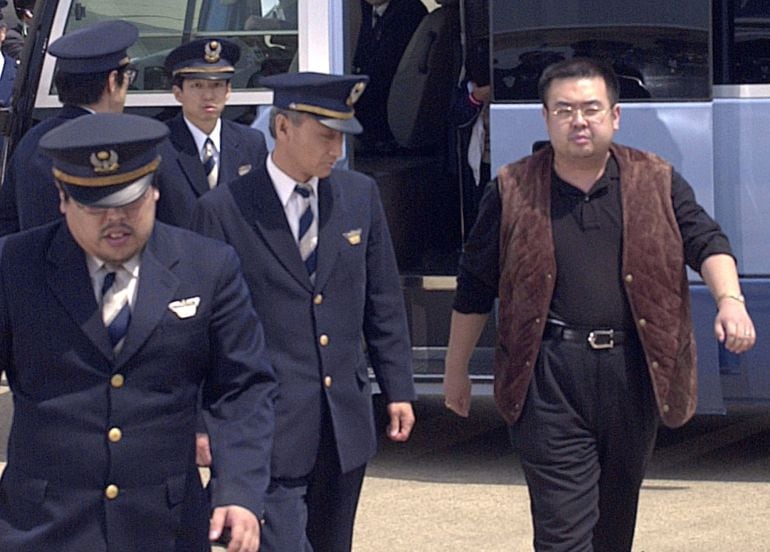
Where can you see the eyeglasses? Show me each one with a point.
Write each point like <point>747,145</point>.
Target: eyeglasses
<point>129,209</point>
<point>129,74</point>
<point>591,113</point>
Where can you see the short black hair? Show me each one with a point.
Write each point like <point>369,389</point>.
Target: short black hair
<point>84,88</point>
<point>296,117</point>
<point>579,68</point>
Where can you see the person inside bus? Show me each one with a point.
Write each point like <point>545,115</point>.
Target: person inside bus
<point>17,36</point>
<point>595,334</point>
<point>386,28</point>
<point>204,148</point>
<point>318,259</point>
<point>7,71</point>
<point>93,74</point>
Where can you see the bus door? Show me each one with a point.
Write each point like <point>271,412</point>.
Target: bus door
<point>416,169</point>
<point>742,175</point>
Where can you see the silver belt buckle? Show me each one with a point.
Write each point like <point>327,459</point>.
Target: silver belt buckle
<point>601,339</point>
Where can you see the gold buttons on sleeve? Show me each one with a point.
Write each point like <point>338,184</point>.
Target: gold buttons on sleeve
<point>328,381</point>
<point>111,492</point>
<point>117,381</point>
<point>323,340</point>
<point>114,434</point>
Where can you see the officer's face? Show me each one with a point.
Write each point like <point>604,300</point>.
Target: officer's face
<point>113,235</point>
<point>203,101</point>
<point>306,148</point>
<point>584,134</point>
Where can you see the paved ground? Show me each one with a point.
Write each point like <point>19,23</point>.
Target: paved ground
<point>456,486</point>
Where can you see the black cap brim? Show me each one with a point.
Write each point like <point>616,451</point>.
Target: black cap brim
<point>347,126</point>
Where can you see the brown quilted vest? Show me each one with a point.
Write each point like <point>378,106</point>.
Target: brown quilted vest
<point>653,271</point>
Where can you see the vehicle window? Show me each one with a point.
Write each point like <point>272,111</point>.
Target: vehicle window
<point>659,50</point>
<point>742,47</point>
<point>265,30</point>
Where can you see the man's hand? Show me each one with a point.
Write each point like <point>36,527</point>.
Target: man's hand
<point>464,333</point>
<point>401,421</point>
<point>202,450</point>
<point>733,326</point>
<point>457,389</point>
<point>243,524</point>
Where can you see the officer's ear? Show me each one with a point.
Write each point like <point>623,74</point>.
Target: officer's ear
<point>281,124</point>
<point>63,197</point>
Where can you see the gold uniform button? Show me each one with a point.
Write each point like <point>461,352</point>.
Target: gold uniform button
<point>112,492</point>
<point>114,435</point>
<point>323,340</point>
<point>117,381</point>
<point>328,381</point>
<point>666,409</point>
<point>655,364</point>
<point>318,299</point>
<point>642,322</point>
<point>629,278</point>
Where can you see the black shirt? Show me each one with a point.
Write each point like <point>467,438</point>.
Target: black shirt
<point>587,233</point>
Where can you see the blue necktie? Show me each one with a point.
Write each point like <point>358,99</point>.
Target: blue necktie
<point>307,235</point>
<point>210,163</point>
<point>116,313</point>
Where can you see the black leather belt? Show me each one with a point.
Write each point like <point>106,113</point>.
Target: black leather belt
<point>595,339</point>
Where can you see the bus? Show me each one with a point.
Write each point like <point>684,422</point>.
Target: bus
<point>695,89</point>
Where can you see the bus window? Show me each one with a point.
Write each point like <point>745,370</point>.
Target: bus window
<point>658,50</point>
<point>265,30</point>
<point>742,42</point>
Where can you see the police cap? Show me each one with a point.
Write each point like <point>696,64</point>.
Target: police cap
<point>330,98</point>
<point>105,159</point>
<point>204,58</point>
<point>97,48</point>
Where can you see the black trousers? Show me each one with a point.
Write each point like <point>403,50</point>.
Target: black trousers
<point>584,439</point>
<point>317,513</point>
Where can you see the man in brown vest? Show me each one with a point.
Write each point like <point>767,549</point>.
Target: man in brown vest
<point>585,243</point>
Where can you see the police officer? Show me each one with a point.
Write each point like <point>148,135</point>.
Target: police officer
<point>320,264</point>
<point>110,325</point>
<point>93,75</point>
<point>205,149</point>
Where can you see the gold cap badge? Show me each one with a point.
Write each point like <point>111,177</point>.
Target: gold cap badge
<point>105,161</point>
<point>212,51</point>
<point>356,92</point>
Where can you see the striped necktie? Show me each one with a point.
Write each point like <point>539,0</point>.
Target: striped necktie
<point>308,229</point>
<point>116,313</point>
<point>210,163</point>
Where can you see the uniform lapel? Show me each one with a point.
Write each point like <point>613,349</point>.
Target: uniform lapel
<point>265,213</point>
<point>330,229</point>
<point>228,155</point>
<point>70,282</point>
<point>157,285</point>
<point>188,158</point>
